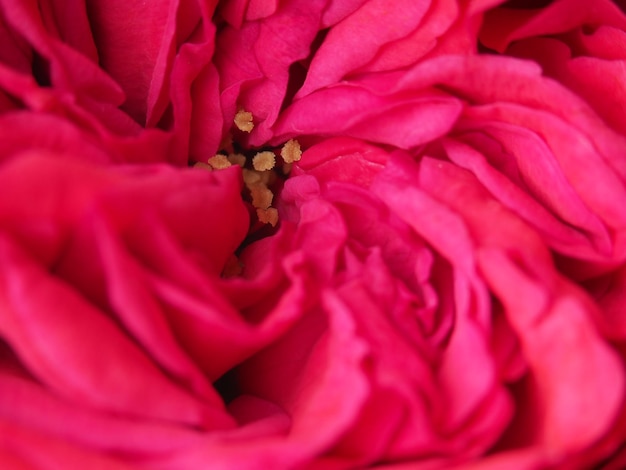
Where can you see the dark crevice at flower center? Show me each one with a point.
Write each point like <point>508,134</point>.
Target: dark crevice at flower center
<point>13,365</point>
<point>41,70</point>
<point>526,4</point>
<point>264,172</point>
<point>482,49</point>
<point>299,69</point>
<point>617,455</point>
<point>227,386</point>
<point>264,169</point>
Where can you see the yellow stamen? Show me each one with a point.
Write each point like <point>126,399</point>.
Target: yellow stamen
<point>291,151</point>
<point>259,180</point>
<point>251,176</point>
<point>219,162</point>
<point>268,216</point>
<point>268,177</point>
<point>264,161</point>
<point>237,159</point>
<point>261,196</point>
<point>243,121</point>
<point>203,166</point>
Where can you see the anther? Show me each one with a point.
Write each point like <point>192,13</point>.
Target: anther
<point>264,161</point>
<point>243,121</point>
<point>219,162</point>
<point>291,151</point>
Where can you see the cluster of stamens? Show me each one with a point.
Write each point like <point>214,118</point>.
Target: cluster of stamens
<point>260,172</point>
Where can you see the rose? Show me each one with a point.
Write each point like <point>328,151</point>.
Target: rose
<point>407,310</point>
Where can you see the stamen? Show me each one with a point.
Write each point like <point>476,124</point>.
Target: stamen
<point>203,166</point>
<point>291,151</point>
<point>219,162</point>
<point>251,176</point>
<point>243,121</point>
<point>264,161</point>
<point>261,195</point>
<point>237,159</point>
<point>268,177</point>
<point>268,216</point>
<point>260,175</point>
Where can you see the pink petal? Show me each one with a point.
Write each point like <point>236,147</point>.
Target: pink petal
<point>502,26</point>
<point>30,450</point>
<point>89,359</point>
<point>573,368</point>
<point>353,42</point>
<point>70,69</point>
<point>133,41</point>
<point>30,405</point>
<point>355,111</point>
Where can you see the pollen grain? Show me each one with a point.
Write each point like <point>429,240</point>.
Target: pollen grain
<point>262,196</point>
<point>243,121</point>
<point>291,151</point>
<point>237,159</point>
<point>219,162</point>
<point>264,161</point>
<point>268,216</point>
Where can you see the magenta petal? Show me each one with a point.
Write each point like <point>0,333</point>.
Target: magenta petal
<point>565,353</point>
<point>395,422</point>
<point>342,159</point>
<point>258,9</point>
<point>321,410</point>
<point>135,305</point>
<point>233,12</point>
<point>359,112</point>
<point>132,40</point>
<point>30,450</point>
<point>506,25</point>
<point>254,61</point>
<point>88,359</point>
<point>467,376</point>
<point>352,43</point>
<point>606,42</point>
<point>590,77</point>
<point>30,405</point>
<point>205,129</point>
<point>70,69</point>
<point>513,192</point>
<point>422,42</point>
<point>575,162</point>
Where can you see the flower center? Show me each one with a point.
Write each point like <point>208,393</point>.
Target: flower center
<point>263,172</point>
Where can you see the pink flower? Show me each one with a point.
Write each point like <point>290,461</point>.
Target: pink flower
<point>420,263</point>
